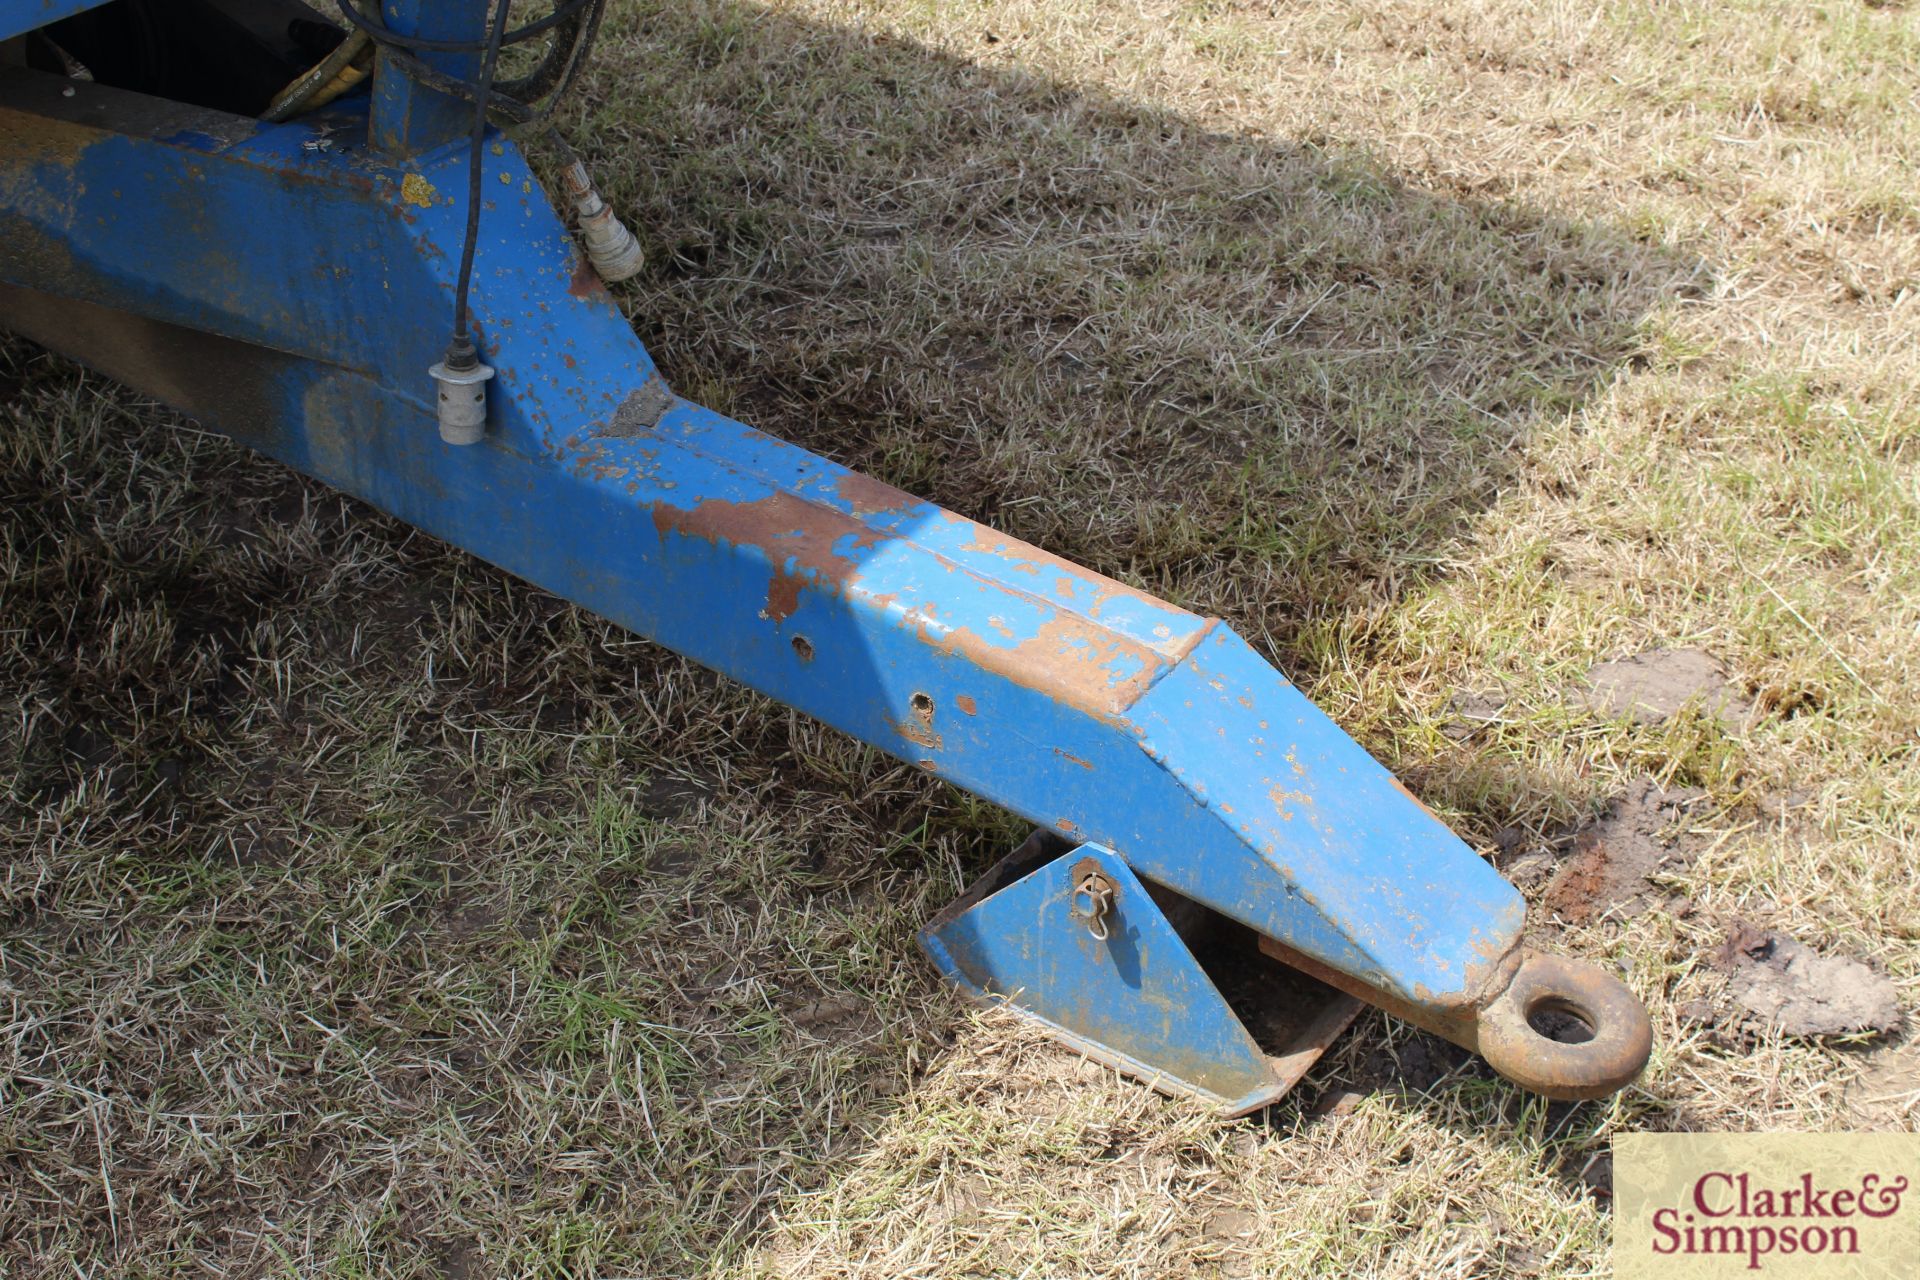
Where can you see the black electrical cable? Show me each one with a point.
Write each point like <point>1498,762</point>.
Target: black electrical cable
<point>574,25</point>
<point>509,101</point>
<point>582,29</point>
<point>483,89</point>
<point>373,26</point>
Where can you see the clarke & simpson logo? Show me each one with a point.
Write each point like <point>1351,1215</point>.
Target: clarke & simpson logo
<point>1726,1214</point>
<point>1796,1204</point>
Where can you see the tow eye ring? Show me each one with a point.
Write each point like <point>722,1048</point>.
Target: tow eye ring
<point>1565,1029</point>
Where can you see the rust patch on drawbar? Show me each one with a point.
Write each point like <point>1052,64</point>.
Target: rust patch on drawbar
<point>1401,787</point>
<point>920,735</point>
<point>868,496</point>
<point>32,139</point>
<point>788,530</point>
<point>1071,659</point>
<point>585,281</point>
<point>783,596</point>
<point>1024,557</point>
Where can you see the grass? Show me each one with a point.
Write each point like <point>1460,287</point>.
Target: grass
<point>364,912</point>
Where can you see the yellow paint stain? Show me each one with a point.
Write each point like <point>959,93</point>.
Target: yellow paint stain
<point>417,191</point>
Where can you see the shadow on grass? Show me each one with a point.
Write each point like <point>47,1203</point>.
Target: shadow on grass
<point>1262,377</point>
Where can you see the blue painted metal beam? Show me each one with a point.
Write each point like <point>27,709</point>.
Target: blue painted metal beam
<point>410,118</point>
<point>17,17</point>
<point>322,272</point>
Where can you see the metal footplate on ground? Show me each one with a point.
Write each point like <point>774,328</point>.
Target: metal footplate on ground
<point>289,283</point>
<point>1080,944</point>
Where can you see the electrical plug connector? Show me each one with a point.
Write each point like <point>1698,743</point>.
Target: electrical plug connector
<point>611,248</point>
<point>462,392</point>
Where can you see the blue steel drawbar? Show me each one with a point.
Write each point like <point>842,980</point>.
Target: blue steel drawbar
<point>290,283</point>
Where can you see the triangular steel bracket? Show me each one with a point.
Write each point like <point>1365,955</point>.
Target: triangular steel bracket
<point>1079,945</point>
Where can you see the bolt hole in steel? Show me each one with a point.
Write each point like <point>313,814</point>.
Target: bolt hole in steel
<point>1565,1029</point>
<point>923,707</point>
<point>803,648</point>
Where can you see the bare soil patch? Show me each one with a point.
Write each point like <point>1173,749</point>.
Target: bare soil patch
<point>1617,863</point>
<point>1473,711</point>
<point>1659,684</point>
<point>1777,982</point>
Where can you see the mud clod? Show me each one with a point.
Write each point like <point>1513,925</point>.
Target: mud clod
<point>1472,712</point>
<point>1776,982</point>
<point>1615,862</point>
<point>1698,1013</point>
<point>1657,685</point>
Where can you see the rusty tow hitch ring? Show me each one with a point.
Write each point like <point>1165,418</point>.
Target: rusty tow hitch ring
<point>1512,1044</point>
